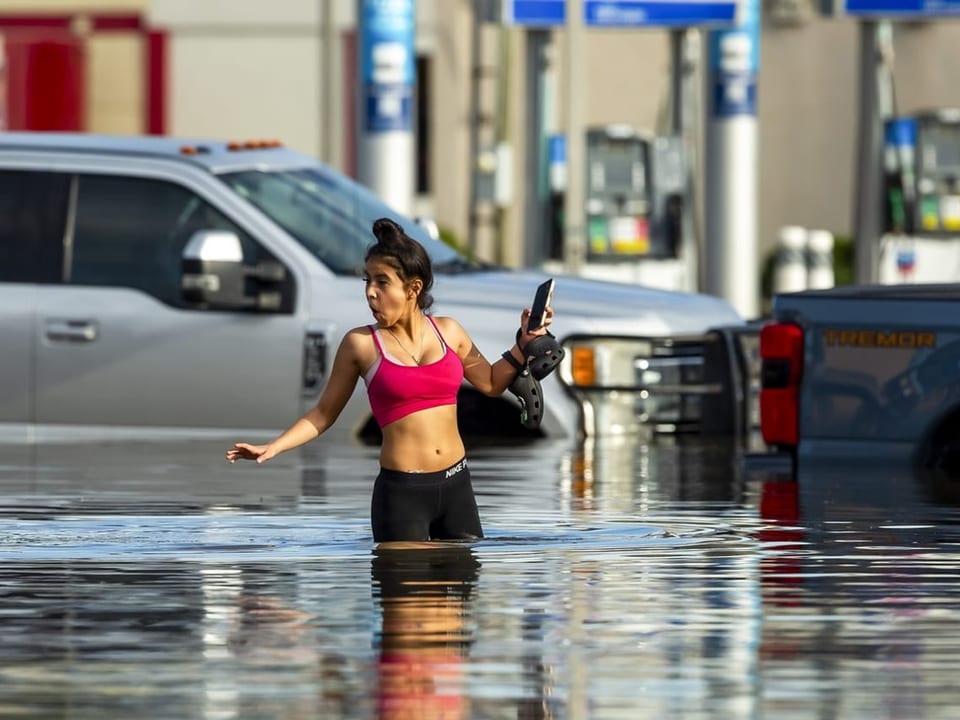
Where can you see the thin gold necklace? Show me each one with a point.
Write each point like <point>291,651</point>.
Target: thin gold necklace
<point>404,348</point>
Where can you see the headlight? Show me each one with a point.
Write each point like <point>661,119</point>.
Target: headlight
<point>602,363</point>
<point>625,384</point>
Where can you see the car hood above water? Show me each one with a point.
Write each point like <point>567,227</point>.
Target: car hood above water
<point>488,304</point>
<point>581,305</point>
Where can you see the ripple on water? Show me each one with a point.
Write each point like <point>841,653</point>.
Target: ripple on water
<point>213,538</point>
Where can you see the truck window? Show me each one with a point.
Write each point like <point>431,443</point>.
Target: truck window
<point>318,213</point>
<point>130,232</point>
<point>33,210</point>
<point>328,213</point>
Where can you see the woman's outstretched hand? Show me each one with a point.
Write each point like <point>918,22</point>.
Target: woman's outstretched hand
<point>245,451</point>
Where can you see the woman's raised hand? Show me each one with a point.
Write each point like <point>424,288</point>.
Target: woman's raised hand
<point>526,336</point>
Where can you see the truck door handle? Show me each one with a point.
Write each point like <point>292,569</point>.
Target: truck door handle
<point>74,331</point>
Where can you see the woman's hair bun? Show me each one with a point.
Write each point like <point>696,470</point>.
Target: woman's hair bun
<point>386,230</point>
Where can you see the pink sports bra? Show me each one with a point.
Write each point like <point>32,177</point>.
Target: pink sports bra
<point>396,390</point>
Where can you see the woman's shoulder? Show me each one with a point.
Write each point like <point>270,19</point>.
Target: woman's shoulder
<point>444,322</point>
<point>358,345</point>
<point>451,330</point>
<point>361,330</point>
<point>358,336</point>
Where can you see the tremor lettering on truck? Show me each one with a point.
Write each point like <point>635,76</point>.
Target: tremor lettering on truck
<point>900,339</point>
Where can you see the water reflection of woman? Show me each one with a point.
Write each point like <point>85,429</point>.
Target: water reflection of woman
<point>425,633</point>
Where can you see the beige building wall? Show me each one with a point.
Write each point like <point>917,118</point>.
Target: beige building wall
<point>115,87</point>
<point>244,69</point>
<point>807,116</point>
<point>444,31</point>
<point>629,74</point>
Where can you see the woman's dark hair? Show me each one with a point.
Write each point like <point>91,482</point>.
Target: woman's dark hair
<point>403,254</point>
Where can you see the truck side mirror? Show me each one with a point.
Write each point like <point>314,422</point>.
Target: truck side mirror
<point>212,271</point>
<point>213,275</point>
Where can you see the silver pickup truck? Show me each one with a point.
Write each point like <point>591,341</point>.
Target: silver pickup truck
<point>107,330</point>
<point>864,374</point>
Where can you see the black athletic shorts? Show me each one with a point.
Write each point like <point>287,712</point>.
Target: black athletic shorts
<point>425,506</point>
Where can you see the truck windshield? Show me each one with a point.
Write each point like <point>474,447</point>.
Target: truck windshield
<point>331,216</point>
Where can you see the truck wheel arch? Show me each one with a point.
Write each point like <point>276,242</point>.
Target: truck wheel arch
<point>940,447</point>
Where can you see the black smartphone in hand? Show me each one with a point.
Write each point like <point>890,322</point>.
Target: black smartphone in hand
<point>541,301</point>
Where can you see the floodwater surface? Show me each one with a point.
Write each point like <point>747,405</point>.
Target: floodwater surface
<point>616,580</point>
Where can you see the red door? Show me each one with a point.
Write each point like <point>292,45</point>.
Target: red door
<point>45,80</point>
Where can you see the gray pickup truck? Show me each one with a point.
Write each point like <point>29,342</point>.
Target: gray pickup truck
<point>108,327</point>
<point>865,374</point>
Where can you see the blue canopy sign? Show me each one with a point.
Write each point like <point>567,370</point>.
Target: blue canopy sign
<point>534,13</point>
<point>659,13</point>
<point>623,13</point>
<point>917,9</point>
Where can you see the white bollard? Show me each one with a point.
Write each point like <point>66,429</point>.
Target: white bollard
<point>820,259</point>
<point>790,262</point>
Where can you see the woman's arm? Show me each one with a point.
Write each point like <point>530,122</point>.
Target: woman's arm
<point>336,393</point>
<point>492,378</point>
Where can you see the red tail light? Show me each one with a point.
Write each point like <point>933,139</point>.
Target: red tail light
<point>781,353</point>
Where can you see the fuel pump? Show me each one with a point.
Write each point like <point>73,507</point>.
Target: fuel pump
<point>921,198</point>
<point>635,205</point>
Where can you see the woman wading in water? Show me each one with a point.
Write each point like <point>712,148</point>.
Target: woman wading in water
<point>413,365</point>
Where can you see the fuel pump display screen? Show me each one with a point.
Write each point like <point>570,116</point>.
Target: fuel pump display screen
<point>938,176</point>
<point>618,195</point>
<point>941,147</point>
<point>622,168</point>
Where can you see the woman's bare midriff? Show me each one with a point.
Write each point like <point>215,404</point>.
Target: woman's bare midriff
<point>424,441</point>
